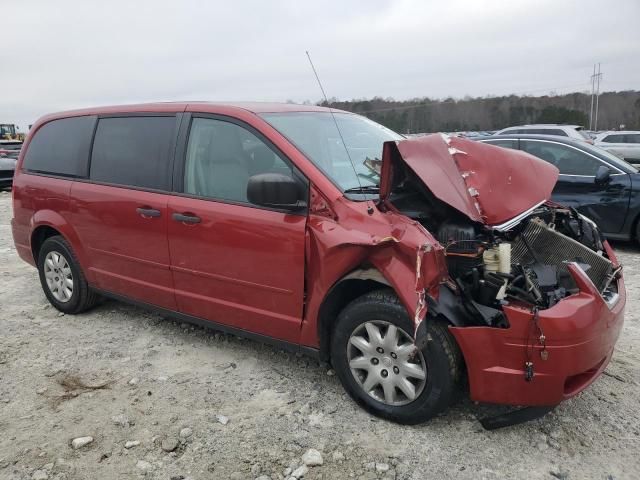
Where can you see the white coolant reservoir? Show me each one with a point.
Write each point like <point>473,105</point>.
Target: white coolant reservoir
<point>498,259</point>
<point>504,258</point>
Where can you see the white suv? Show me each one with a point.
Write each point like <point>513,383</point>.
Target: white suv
<point>571,131</point>
<point>625,144</point>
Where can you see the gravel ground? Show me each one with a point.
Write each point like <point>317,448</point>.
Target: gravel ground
<point>172,401</point>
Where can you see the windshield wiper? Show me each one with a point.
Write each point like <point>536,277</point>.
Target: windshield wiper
<point>364,189</point>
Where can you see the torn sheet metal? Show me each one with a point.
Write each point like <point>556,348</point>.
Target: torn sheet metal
<point>474,178</point>
<point>408,257</point>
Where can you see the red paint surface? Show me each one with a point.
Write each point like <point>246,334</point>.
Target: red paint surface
<point>240,266</point>
<point>580,331</point>
<point>269,272</point>
<point>486,183</point>
<point>127,253</point>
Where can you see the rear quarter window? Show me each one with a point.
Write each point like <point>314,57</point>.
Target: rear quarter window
<point>61,147</point>
<point>133,151</point>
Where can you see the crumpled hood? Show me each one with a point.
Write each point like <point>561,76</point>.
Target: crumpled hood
<point>486,183</point>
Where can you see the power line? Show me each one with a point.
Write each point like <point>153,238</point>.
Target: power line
<point>599,77</point>
<point>593,88</point>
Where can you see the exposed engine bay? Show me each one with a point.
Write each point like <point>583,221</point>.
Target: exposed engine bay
<point>523,261</point>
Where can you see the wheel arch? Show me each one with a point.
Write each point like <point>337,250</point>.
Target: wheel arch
<point>362,280</point>
<point>38,237</point>
<point>47,223</point>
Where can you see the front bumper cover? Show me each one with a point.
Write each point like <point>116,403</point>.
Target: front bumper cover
<point>581,332</point>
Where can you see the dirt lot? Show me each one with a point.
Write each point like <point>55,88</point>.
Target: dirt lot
<point>205,405</point>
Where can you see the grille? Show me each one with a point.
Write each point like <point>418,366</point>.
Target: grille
<point>554,248</point>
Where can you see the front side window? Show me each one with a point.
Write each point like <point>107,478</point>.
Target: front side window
<point>222,156</point>
<point>61,147</point>
<point>133,151</point>
<point>315,134</point>
<point>569,160</point>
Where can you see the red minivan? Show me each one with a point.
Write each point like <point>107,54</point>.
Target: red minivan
<point>411,265</point>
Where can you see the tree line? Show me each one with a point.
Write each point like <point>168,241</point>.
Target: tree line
<point>493,113</point>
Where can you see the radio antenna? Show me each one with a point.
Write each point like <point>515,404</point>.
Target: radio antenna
<point>344,144</point>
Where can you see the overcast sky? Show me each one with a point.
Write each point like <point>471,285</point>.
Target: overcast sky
<point>64,54</point>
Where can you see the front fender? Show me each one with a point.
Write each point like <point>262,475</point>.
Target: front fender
<point>347,236</point>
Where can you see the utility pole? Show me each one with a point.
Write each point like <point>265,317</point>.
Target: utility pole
<point>593,89</point>
<point>598,78</point>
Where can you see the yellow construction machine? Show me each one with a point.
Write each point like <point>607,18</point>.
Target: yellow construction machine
<point>8,132</point>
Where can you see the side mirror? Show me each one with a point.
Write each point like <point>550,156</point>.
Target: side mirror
<point>276,191</point>
<point>603,175</point>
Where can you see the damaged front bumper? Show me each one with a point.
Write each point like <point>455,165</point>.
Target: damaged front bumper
<point>580,333</point>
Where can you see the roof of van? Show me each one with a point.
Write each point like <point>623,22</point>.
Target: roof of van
<point>254,107</point>
<point>268,107</point>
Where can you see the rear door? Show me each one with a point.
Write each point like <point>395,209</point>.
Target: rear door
<point>121,214</point>
<point>233,262</point>
<point>606,204</point>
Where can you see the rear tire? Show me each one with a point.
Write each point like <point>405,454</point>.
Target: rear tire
<point>391,367</point>
<point>62,279</point>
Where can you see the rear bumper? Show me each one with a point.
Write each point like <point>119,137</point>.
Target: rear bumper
<point>21,237</point>
<point>581,332</point>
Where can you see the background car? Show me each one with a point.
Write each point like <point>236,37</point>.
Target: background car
<point>597,183</point>
<point>572,131</point>
<point>9,151</point>
<point>625,144</point>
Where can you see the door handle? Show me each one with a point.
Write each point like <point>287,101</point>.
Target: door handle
<point>148,212</point>
<point>185,218</point>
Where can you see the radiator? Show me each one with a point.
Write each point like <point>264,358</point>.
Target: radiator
<point>554,248</point>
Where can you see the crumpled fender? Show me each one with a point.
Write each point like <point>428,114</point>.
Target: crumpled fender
<point>344,236</point>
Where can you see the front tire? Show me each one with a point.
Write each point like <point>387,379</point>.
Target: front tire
<point>62,279</point>
<point>373,354</point>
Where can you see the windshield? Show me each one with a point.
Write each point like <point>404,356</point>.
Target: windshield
<point>315,134</point>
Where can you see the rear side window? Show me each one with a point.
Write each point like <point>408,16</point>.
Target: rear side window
<point>61,147</point>
<point>613,139</point>
<point>569,160</point>
<point>133,151</point>
<point>547,131</point>
<point>513,144</point>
